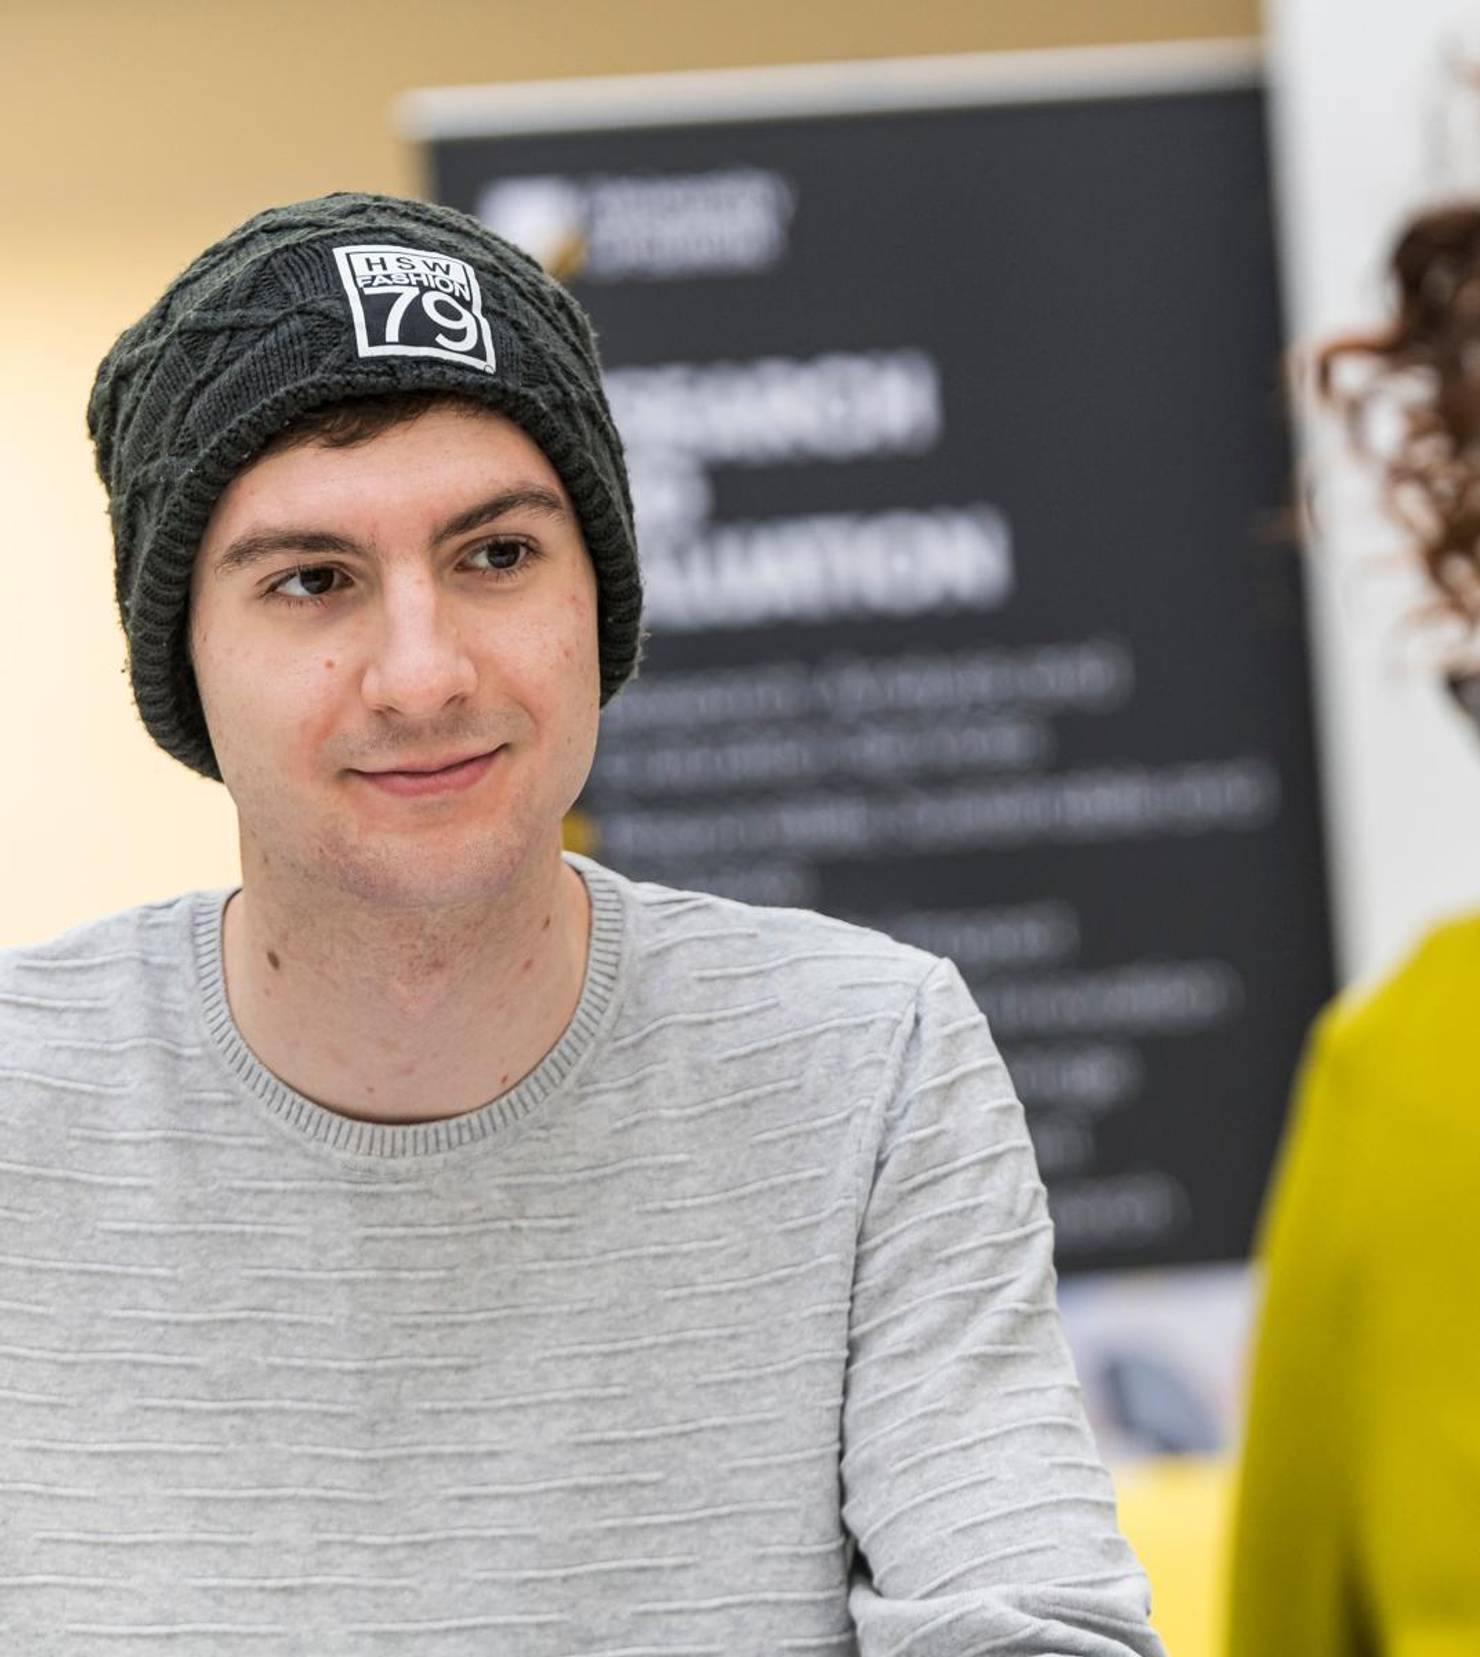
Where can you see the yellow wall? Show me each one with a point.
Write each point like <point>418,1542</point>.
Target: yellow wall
<point>135,132</point>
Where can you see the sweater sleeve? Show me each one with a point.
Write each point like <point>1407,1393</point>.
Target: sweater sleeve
<point>981,1516</point>
<point>1292,1578</point>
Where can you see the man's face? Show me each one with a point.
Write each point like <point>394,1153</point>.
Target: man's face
<point>458,616</point>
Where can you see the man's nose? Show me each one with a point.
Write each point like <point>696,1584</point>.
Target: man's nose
<point>417,658</point>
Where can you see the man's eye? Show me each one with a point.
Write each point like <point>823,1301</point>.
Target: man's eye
<point>309,575</point>
<point>505,557</point>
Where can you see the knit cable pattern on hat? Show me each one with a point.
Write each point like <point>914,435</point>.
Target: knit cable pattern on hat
<point>258,330</point>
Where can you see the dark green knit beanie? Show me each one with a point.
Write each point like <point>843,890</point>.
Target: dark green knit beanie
<point>303,305</point>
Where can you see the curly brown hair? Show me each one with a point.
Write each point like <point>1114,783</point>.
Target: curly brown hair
<point>1423,368</point>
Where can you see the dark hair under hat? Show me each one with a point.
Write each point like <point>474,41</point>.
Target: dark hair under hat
<point>305,305</point>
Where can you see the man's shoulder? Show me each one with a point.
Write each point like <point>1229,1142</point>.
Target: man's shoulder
<point>114,928</point>
<point>79,969</point>
<point>681,934</point>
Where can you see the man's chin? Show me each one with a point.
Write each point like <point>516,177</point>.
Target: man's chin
<point>399,873</point>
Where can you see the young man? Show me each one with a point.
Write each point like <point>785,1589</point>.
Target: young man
<point>439,1244</point>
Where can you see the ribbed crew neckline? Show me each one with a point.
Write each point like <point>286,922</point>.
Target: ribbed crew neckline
<point>375,1141</point>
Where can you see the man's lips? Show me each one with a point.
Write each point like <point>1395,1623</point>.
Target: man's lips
<point>423,767</point>
<point>445,779</point>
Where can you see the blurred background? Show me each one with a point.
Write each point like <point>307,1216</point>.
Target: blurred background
<point>951,347</point>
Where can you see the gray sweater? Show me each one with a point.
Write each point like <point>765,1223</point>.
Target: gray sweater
<point>729,1330</point>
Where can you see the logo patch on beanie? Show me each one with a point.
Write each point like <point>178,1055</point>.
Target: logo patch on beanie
<point>407,302</point>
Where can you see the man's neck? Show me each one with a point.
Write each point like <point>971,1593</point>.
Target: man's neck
<point>391,1020</point>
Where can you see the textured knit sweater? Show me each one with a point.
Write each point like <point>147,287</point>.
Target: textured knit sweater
<point>729,1330</point>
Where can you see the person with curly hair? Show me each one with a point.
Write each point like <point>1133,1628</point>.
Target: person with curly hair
<point>1358,1498</point>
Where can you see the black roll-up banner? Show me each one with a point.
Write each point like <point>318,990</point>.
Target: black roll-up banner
<point>958,445</point>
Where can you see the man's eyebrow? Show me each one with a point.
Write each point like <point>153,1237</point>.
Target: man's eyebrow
<point>529,497</point>
<point>249,550</point>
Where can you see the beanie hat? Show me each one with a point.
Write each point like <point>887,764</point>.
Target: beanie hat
<point>306,304</point>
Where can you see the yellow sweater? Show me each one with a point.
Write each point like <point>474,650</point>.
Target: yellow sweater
<point>1357,1527</point>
